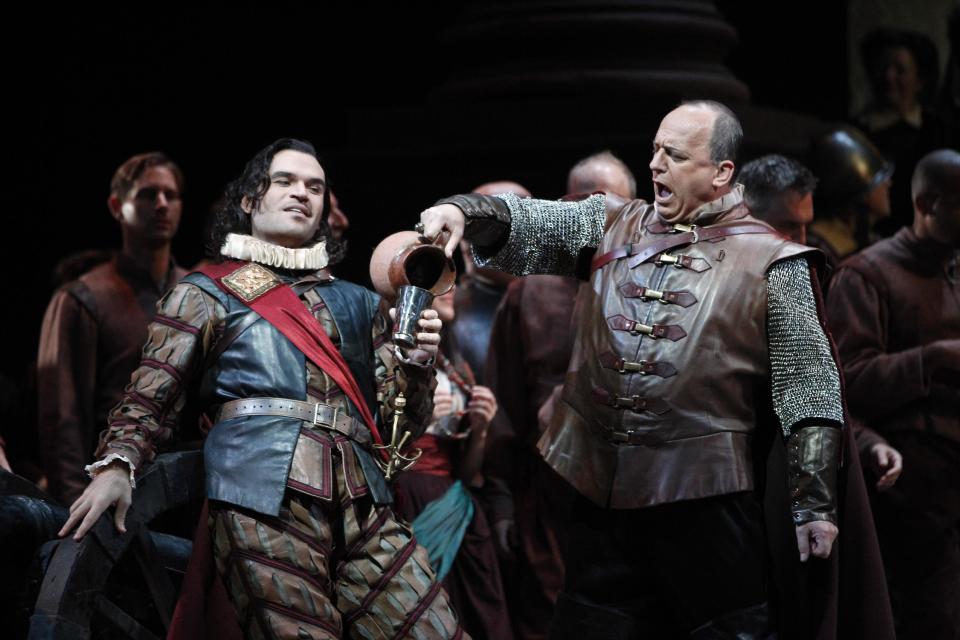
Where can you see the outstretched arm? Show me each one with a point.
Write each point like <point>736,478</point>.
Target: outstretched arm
<point>522,236</point>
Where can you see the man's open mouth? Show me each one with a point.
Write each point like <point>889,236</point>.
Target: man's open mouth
<point>661,192</point>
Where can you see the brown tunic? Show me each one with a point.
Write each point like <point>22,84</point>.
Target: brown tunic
<point>885,303</point>
<point>92,334</point>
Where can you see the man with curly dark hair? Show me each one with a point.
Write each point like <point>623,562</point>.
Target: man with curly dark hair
<point>292,365</point>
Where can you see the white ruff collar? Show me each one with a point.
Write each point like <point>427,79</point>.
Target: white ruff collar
<point>243,247</point>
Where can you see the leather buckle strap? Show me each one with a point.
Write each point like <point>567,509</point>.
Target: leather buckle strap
<point>680,235</point>
<point>682,261</point>
<point>635,403</point>
<point>610,360</point>
<point>694,235</point>
<point>627,437</point>
<point>663,227</point>
<point>317,414</point>
<point>672,332</point>
<point>679,298</point>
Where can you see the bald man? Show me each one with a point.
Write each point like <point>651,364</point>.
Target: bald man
<point>894,311</point>
<point>602,172</point>
<point>698,320</point>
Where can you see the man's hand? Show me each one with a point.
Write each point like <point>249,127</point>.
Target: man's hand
<point>109,487</point>
<point>442,404</point>
<point>428,340</point>
<point>443,218</point>
<point>816,538</point>
<point>481,408</point>
<point>887,463</point>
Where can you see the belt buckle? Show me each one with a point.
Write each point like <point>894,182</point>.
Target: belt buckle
<point>316,416</point>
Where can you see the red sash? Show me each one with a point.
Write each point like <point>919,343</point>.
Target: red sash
<point>281,307</point>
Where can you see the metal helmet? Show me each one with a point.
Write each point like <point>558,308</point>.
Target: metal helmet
<point>848,166</point>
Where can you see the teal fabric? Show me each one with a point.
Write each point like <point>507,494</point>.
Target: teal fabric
<point>440,527</point>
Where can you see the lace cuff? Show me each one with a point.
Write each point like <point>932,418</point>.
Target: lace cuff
<point>94,469</point>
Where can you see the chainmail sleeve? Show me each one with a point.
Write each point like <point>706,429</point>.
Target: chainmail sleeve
<point>804,376</point>
<point>546,236</point>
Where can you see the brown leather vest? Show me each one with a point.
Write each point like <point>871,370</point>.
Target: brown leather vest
<point>658,404</point>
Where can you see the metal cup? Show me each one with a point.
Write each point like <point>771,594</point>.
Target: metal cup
<point>411,302</point>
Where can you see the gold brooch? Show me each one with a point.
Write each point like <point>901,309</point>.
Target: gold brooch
<point>251,281</point>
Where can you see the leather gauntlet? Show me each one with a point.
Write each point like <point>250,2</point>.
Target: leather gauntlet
<point>488,220</point>
<point>813,455</point>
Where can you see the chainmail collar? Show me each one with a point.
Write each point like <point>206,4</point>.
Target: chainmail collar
<point>714,211</point>
<point>244,247</point>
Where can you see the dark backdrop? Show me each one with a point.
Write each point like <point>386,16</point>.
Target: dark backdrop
<point>210,85</point>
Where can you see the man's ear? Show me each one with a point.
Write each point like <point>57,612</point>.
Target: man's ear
<point>245,205</point>
<point>115,207</point>
<point>924,203</point>
<point>724,174</point>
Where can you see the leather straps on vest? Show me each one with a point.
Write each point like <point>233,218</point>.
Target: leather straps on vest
<point>671,332</point>
<point>641,252</point>
<point>681,261</point>
<point>655,406</point>
<point>634,290</point>
<point>610,360</point>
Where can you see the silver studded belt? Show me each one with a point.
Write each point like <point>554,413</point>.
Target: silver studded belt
<point>316,413</point>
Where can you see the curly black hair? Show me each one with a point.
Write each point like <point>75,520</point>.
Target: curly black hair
<point>229,216</point>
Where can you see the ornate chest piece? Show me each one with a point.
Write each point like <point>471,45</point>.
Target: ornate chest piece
<point>251,281</point>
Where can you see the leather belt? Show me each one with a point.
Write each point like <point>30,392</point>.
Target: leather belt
<point>317,414</point>
<point>655,406</point>
<point>609,360</point>
<point>680,298</point>
<point>672,332</point>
